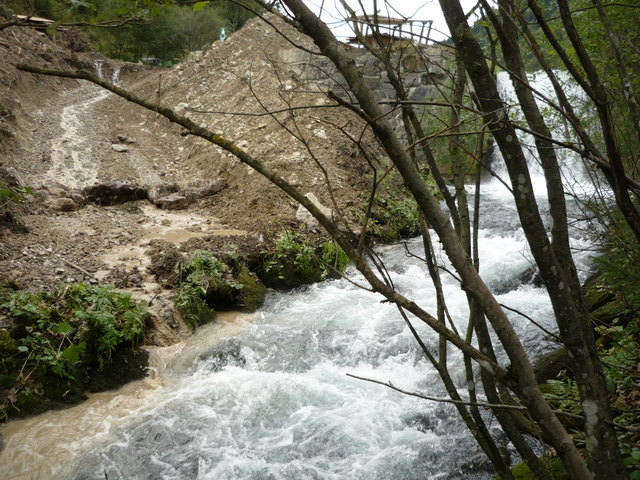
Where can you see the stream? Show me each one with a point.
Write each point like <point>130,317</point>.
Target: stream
<point>268,396</point>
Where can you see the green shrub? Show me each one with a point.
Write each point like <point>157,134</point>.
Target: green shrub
<point>208,283</point>
<point>56,328</point>
<point>196,276</point>
<point>295,261</point>
<point>396,217</point>
<point>58,340</point>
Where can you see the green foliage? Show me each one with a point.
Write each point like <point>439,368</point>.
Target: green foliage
<point>619,262</point>
<point>624,20</point>
<point>208,283</point>
<point>563,394</point>
<point>394,214</point>
<point>294,260</point>
<point>632,462</point>
<point>159,30</point>
<point>196,276</point>
<point>290,249</point>
<point>8,345</point>
<point>398,216</point>
<point>333,258</point>
<point>554,465</point>
<point>57,338</point>
<point>171,33</point>
<point>61,325</point>
<point>113,318</point>
<point>13,193</point>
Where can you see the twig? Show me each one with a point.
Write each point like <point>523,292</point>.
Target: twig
<point>80,269</point>
<point>551,334</point>
<point>459,402</point>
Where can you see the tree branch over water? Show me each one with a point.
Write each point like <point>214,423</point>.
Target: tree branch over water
<point>347,241</point>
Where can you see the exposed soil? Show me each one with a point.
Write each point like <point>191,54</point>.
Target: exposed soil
<point>63,135</point>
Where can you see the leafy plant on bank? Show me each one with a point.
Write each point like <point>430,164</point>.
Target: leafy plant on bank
<point>60,325</point>
<point>9,193</point>
<point>294,260</point>
<point>197,275</point>
<point>62,334</point>
<point>394,215</point>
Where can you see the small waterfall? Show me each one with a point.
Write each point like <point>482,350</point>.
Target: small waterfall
<point>97,64</point>
<point>576,176</point>
<point>115,76</point>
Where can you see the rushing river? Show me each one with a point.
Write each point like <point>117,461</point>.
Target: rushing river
<point>269,398</point>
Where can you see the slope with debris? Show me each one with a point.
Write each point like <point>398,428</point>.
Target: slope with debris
<point>66,138</point>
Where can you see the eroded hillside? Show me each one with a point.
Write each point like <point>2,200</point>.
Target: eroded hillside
<point>66,135</point>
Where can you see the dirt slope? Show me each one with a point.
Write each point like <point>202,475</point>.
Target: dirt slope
<point>229,87</point>
<point>63,135</point>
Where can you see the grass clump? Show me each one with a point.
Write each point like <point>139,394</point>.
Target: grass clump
<point>295,260</point>
<point>58,340</point>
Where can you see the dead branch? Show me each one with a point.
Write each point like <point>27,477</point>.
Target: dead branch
<point>491,406</point>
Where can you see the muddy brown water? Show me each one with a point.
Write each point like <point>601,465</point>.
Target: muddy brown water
<point>46,446</point>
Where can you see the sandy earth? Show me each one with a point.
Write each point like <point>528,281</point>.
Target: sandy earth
<point>64,135</point>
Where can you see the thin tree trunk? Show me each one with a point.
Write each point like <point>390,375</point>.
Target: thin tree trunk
<point>524,383</point>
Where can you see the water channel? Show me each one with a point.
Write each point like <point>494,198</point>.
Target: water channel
<point>267,396</point>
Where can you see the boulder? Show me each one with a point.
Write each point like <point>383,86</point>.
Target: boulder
<point>125,140</point>
<point>227,352</point>
<point>159,190</point>
<point>303,215</point>
<point>11,177</point>
<point>175,201</point>
<point>51,190</point>
<point>114,193</point>
<point>205,188</point>
<point>118,147</point>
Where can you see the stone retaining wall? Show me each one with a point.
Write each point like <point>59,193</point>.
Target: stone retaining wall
<point>422,67</point>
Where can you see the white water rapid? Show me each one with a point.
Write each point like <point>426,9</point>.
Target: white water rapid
<point>271,399</point>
